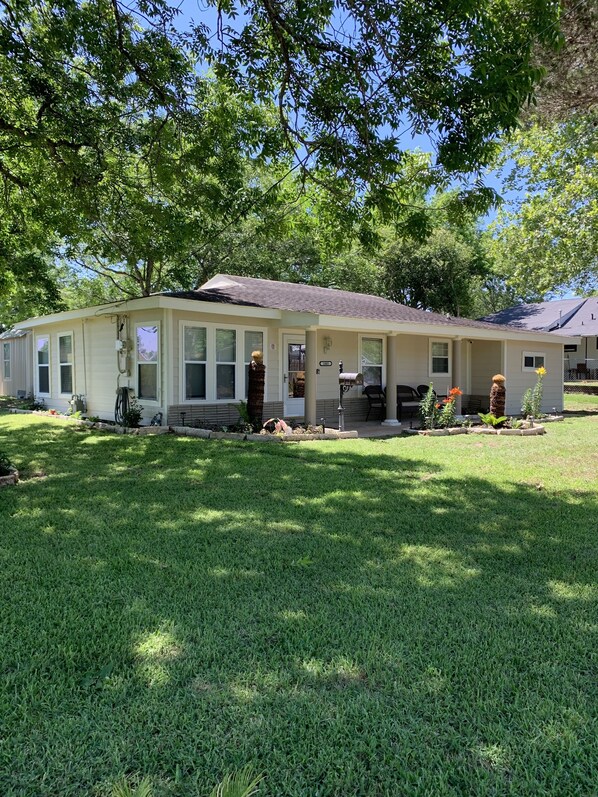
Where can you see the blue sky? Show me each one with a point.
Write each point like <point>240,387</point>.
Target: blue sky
<point>197,11</point>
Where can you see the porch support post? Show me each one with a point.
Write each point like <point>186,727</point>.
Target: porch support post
<point>457,373</point>
<point>392,380</point>
<point>311,365</point>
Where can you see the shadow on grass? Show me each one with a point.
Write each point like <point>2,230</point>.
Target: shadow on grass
<point>355,623</point>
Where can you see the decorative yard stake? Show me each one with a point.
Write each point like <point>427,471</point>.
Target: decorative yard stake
<point>497,396</point>
<point>255,389</point>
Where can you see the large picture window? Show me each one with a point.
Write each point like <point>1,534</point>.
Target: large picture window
<point>195,359</point>
<point>65,355</point>
<point>440,358</point>
<point>148,342</point>
<point>215,361</point>
<point>226,358</point>
<point>43,366</point>
<point>372,352</point>
<point>6,360</point>
<point>254,341</point>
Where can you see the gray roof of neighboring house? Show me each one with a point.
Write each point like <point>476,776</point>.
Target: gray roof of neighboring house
<point>13,333</point>
<point>574,317</point>
<point>296,297</point>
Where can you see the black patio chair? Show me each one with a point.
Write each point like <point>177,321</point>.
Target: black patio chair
<point>408,400</point>
<point>423,390</point>
<point>376,400</point>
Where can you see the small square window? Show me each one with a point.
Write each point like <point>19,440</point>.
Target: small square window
<point>532,360</point>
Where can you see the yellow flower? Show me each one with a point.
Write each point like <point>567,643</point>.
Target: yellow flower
<point>541,371</point>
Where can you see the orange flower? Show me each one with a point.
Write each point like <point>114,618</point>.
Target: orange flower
<point>439,406</point>
<point>455,391</point>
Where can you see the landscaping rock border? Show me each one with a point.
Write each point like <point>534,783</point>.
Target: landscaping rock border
<point>191,431</point>
<point>529,432</point>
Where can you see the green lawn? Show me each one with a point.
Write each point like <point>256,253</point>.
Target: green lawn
<point>414,616</point>
<point>584,402</point>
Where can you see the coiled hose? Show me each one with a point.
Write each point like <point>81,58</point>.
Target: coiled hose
<point>121,406</point>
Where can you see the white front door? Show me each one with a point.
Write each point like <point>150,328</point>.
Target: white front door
<point>293,375</point>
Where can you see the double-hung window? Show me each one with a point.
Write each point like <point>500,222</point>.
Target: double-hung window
<point>226,359</point>
<point>195,362</point>
<point>148,347</point>
<point>440,358</point>
<point>254,341</point>
<point>6,360</point>
<point>43,365</point>
<point>65,364</point>
<point>372,353</point>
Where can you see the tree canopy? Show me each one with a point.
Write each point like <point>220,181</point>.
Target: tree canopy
<point>546,238</point>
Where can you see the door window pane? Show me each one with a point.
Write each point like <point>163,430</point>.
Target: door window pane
<point>371,360</point>
<point>296,370</point>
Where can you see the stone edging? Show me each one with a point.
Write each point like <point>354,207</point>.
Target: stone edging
<point>530,432</point>
<point>191,431</point>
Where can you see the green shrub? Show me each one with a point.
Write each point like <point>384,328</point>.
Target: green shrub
<point>5,464</point>
<point>133,414</point>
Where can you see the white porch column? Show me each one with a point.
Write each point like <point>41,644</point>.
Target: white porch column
<point>457,373</point>
<point>311,365</point>
<point>392,380</point>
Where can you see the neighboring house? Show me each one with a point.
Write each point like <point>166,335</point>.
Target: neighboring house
<point>16,363</point>
<point>566,317</point>
<point>187,354</point>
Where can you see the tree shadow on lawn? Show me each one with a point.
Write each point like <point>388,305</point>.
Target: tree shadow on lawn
<point>354,623</point>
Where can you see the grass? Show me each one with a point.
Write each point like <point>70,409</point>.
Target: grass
<point>414,616</point>
<point>581,402</point>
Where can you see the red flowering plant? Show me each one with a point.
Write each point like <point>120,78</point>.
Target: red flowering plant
<point>447,415</point>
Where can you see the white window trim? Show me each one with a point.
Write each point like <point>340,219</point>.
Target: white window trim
<point>373,336</point>
<point>72,337</point>
<point>431,371</point>
<point>531,369</point>
<point>157,401</point>
<point>211,327</point>
<point>183,363</point>
<point>37,366</point>
<point>6,346</point>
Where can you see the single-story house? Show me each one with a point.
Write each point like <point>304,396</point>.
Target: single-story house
<point>186,354</point>
<point>16,363</point>
<point>566,317</point>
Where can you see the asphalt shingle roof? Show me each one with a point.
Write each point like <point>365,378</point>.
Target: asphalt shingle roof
<point>294,297</point>
<point>563,317</point>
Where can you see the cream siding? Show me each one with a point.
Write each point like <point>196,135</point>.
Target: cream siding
<point>518,380</point>
<point>486,360</point>
<point>414,363</point>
